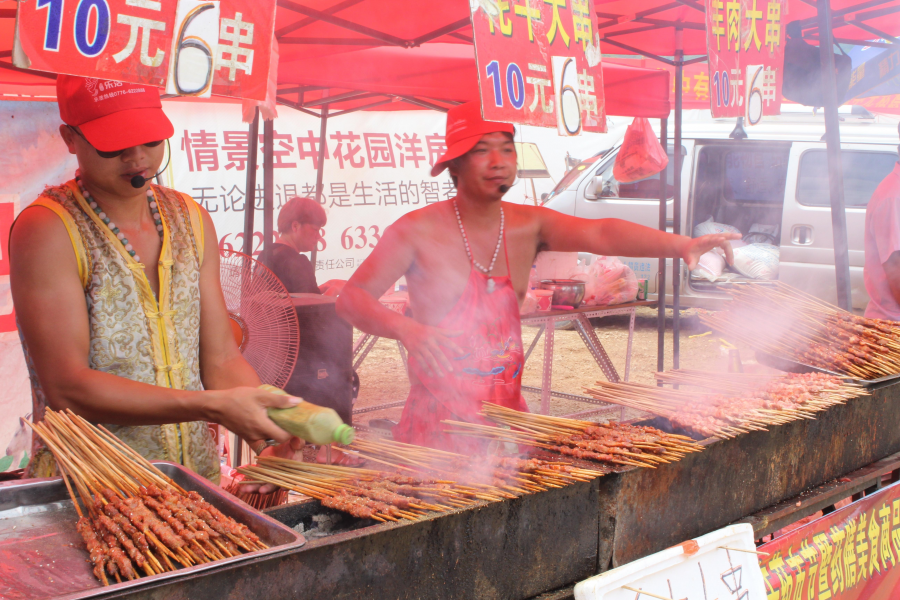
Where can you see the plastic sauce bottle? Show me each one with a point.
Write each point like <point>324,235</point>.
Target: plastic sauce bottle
<point>315,424</point>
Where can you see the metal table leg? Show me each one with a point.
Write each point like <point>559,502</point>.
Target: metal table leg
<point>534,342</point>
<point>360,343</point>
<point>403,355</point>
<point>586,331</point>
<point>548,367</point>
<point>628,348</point>
<point>365,352</point>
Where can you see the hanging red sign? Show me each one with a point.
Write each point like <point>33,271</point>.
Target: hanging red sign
<point>745,40</point>
<point>219,46</point>
<point>850,554</point>
<point>539,63</point>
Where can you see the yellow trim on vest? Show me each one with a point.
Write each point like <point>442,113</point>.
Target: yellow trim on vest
<point>74,236</point>
<point>196,217</point>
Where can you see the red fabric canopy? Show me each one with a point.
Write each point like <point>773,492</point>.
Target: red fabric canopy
<point>649,26</point>
<point>380,54</point>
<point>438,73</point>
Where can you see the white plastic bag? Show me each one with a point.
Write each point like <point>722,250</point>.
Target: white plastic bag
<point>710,266</point>
<point>758,261</point>
<point>608,281</point>
<point>709,226</point>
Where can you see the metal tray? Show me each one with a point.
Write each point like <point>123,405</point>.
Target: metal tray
<point>43,556</point>
<point>791,366</point>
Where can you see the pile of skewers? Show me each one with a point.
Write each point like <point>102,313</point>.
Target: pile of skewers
<point>363,493</point>
<point>611,444</point>
<point>134,519</point>
<point>494,478</point>
<point>743,404</point>
<point>784,321</point>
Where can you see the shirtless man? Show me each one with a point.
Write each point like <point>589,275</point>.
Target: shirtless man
<point>467,263</point>
<point>116,288</point>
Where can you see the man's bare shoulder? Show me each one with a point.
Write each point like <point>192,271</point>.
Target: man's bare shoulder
<point>522,215</point>
<point>422,220</point>
<point>36,225</point>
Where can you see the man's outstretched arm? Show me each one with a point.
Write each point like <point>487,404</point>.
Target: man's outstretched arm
<point>615,237</point>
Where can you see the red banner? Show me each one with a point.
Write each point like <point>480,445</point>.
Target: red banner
<point>849,554</point>
<point>135,41</point>
<point>539,64</point>
<point>745,39</point>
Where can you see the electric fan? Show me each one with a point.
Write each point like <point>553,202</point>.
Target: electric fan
<point>262,316</point>
<point>265,326</point>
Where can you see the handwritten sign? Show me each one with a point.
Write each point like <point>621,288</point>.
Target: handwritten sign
<point>745,39</point>
<point>539,63</point>
<point>142,41</point>
<point>849,554</point>
<point>722,564</point>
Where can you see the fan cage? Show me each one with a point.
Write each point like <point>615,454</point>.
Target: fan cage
<point>258,300</point>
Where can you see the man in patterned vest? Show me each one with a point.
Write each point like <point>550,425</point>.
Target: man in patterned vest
<point>116,289</point>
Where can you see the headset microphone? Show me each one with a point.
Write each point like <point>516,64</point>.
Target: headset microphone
<point>139,181</point>
<point>503,188</point>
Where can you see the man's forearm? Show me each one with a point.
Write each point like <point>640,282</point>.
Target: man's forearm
<point>624,238</point>
<point>105,398</point>
<point>366,313</point>
<point>229,373</point>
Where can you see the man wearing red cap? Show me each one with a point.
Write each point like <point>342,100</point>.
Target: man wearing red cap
<point>116,288</point>
<point>467,263</point>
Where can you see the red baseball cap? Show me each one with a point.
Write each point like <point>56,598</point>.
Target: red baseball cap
<point>112,115</point>
<point>464,129</point>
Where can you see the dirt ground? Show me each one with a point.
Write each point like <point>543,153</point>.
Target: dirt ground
<point>383,378</point>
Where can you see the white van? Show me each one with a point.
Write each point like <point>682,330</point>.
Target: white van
<point>775,180</point>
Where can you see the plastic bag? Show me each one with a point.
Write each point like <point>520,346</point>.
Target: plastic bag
<point>608,281</point>
<point>709,226</point>
<point>710,266</point>
<point>641,154</point>
<point>758,261</point>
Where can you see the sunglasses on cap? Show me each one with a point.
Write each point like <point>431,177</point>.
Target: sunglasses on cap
<point>114,153</point>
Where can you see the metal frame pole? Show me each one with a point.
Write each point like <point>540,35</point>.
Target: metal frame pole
<point>661,281</point>
<point>250,195</point>
<point>676,209</point>
<point>268,182</point>
<point>320,170</point>
<point>833,146</point>
<point>237,449</point>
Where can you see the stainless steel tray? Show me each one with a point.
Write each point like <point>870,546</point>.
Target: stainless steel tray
<point>791,366</point>
<point>43,556</point>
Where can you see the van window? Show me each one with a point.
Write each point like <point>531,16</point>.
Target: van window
<point>647,188</point>
<point>863,171</point>
<point>755,176</point>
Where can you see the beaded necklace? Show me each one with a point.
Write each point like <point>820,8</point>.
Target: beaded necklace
<point>154,212</point>
<point>486,270</point>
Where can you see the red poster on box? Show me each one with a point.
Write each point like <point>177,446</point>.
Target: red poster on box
<point>539,64</point>
<point>850,554</point>
<point>746,57</point>
<point>135,40</point>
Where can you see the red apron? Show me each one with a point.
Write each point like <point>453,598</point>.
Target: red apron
<point>490,368</point>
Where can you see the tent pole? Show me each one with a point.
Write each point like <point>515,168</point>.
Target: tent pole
<point>661,269</point>
<point>320,170</point>
<point>237,448</point>
<point>833,145</point>
<point>250,195</point>
<point>268,182</point>
<point>676,209</point>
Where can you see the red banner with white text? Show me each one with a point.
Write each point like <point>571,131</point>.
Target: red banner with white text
<point>539,64</point>
<point>745,39</point>
<point>850,554</point>
<point>221,46</point>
